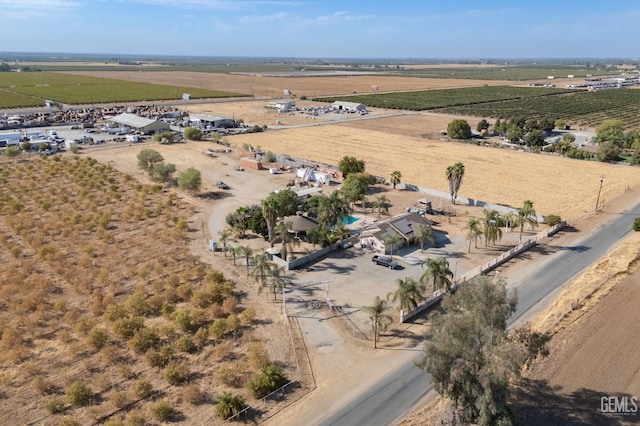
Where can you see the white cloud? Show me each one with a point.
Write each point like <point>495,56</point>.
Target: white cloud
<point>31,9</point>
<point>344,16</point>
<point>255,19</point>
<point>215,4</point>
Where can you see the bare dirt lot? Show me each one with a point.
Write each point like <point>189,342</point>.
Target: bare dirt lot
<point>270,87</point>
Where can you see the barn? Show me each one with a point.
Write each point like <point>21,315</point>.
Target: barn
<point>140,124</point>
<point>282,106</point>
<point>208,121</point>
<point>349,106</point>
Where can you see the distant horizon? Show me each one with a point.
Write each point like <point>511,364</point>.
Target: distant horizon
<point>326,29</point>
<point>60,56</point>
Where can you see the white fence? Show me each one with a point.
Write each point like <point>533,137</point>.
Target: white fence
<point>435,297</point>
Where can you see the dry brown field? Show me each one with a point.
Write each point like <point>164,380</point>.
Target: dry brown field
<point>273,87</point>
<point>556,185</point>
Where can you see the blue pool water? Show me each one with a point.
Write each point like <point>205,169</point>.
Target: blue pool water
<point>348,220</point>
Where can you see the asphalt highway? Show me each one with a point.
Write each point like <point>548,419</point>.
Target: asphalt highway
<point>396,394</point>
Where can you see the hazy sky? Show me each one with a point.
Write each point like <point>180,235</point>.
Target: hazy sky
<point>325,28</point>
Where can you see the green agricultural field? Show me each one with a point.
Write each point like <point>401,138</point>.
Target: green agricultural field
<point>16,100</point>
<point>432,99</point>
<point>512,73</point>
<point>578,108</point>
<point>73,89</point>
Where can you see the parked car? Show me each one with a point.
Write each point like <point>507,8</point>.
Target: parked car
<point>222,185</point>
<point>385,261</point>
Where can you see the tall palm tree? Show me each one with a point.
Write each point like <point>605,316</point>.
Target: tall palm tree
<point>379,317</point>
<point>473,231</point>
<point>382,204</point>
<point>247,253</point>
<point>283,232</point>
<point>234,253</point>
<point>423,234</point>
<point>491,224</point>
<point>392,241</point>
<point>224,237</point>
<point>510,221</point>
<point>527,215</point>
<point>270,213</point>
<point>409,291</point>
<point>454,174</point>
<point>275,279</point>
<point>332,209</point>
<point>395,178</point>
<point>437,272</point>
<point>260,268</point>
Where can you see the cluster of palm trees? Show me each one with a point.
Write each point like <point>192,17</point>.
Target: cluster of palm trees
<point>409,293</point>
<point>491,225</point>
<point>266,273</point>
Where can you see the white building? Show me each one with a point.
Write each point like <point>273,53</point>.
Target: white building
<point>208,121</point>
<point>349,106</point>
<point>282,106</point>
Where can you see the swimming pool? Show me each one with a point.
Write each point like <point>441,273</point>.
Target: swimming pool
<point>348,220</point>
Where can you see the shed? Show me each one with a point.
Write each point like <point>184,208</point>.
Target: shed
<point>348,106</point>
<point>250,163</point>
<point>282,106</point>
<point>208,121</point>
<point>140,124</point>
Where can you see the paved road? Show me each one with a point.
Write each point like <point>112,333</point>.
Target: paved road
<point>397,393</point>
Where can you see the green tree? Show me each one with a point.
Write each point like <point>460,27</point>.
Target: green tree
<point>349,165</point>
<point>379,317</point>
<point>162,172</point>
<point>164,137</point>
<point>12,151</point>
<point>560,123</point>
<point>610,131</point>
<point>608,151</point>
<point>438,273</point>
<point>261,267</point>
<point>423,234</point>
<point>454,175</point>
<point>474,231</point>
<point>283,232</point>
<point>229,405</point>
<point>192,134</point>
<point>354,187</point>
<point>491,226</point>
<point>470,356</point>
<point>78,393</point>
<point>270,378</point>
<point>636,224</point>
<point>459,129</point>
<point>409,292</point>
<point>247,253</point>
<point>381,203</point>
<point>514,133</point>
<point>392,241</point>
<point>190,180</point>
<point>527,215</point>
<point>276,280</point>
<point>482,125</point>
<point>224,237</point>
<point>396,177</point>
<point>534,138</point>
<point>278,205</point>
<point>148,158</point>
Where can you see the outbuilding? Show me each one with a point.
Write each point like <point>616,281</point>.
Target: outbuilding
<point>349,106</point>
<point>208,121</point>
<point>140,124</point>
<point>282,106</point>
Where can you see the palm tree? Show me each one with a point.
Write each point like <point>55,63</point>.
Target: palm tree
<point>332,209</point>
<point>270,213</point>
<point>224,237</point>
<point>510,221</point>
<point>275,279</point>
<point>409,291</point>
<point>437,272</point>
<point>365,203</point>
<point>395,178</point>
<point>473,231</point>
<point>527,215</point>
<point>382,204</point>
<point>283,232</point>
<point>234,252</point>
<point>423,234</point>
<point>229,405</point>
<point>260,268</point>
<point>380,320</point>
<point>245,252</point>
<point>492,230</point>
<point>242,224</point>
<point>392,241</point>
<point>454,175</point>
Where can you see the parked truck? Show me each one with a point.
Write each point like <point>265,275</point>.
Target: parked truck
<point>385,261</point>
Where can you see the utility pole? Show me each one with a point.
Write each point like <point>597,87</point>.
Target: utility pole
<point>599,191</point>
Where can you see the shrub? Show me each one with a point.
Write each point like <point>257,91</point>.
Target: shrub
<point>230,375</point>
<point>636,224</point>
<point>552,220</point>
<point>136,304</point>
<point>269,157</point>
<point>193,394</point>
<point>78,394</point>
<point>182,318</point>
<point>146,338</point>
<point>54,405</point>
<point>98,338</point>
<point>127,327</point>
<point>114,312</point>
<point>177,373</point>
<point>42,385</point>
<point>192,134</point>
<point>68,422</point>
<point>135,418</point>
<point>257,355</point>
<point>113,422</point>
<point>162,410</point>
<point>159,358</point>
<point>218,328</point>
<point>119,399</point>
<point>268,380</point>
<point>185,344</point>
<point>201,337</point>
<point>142,388</point>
